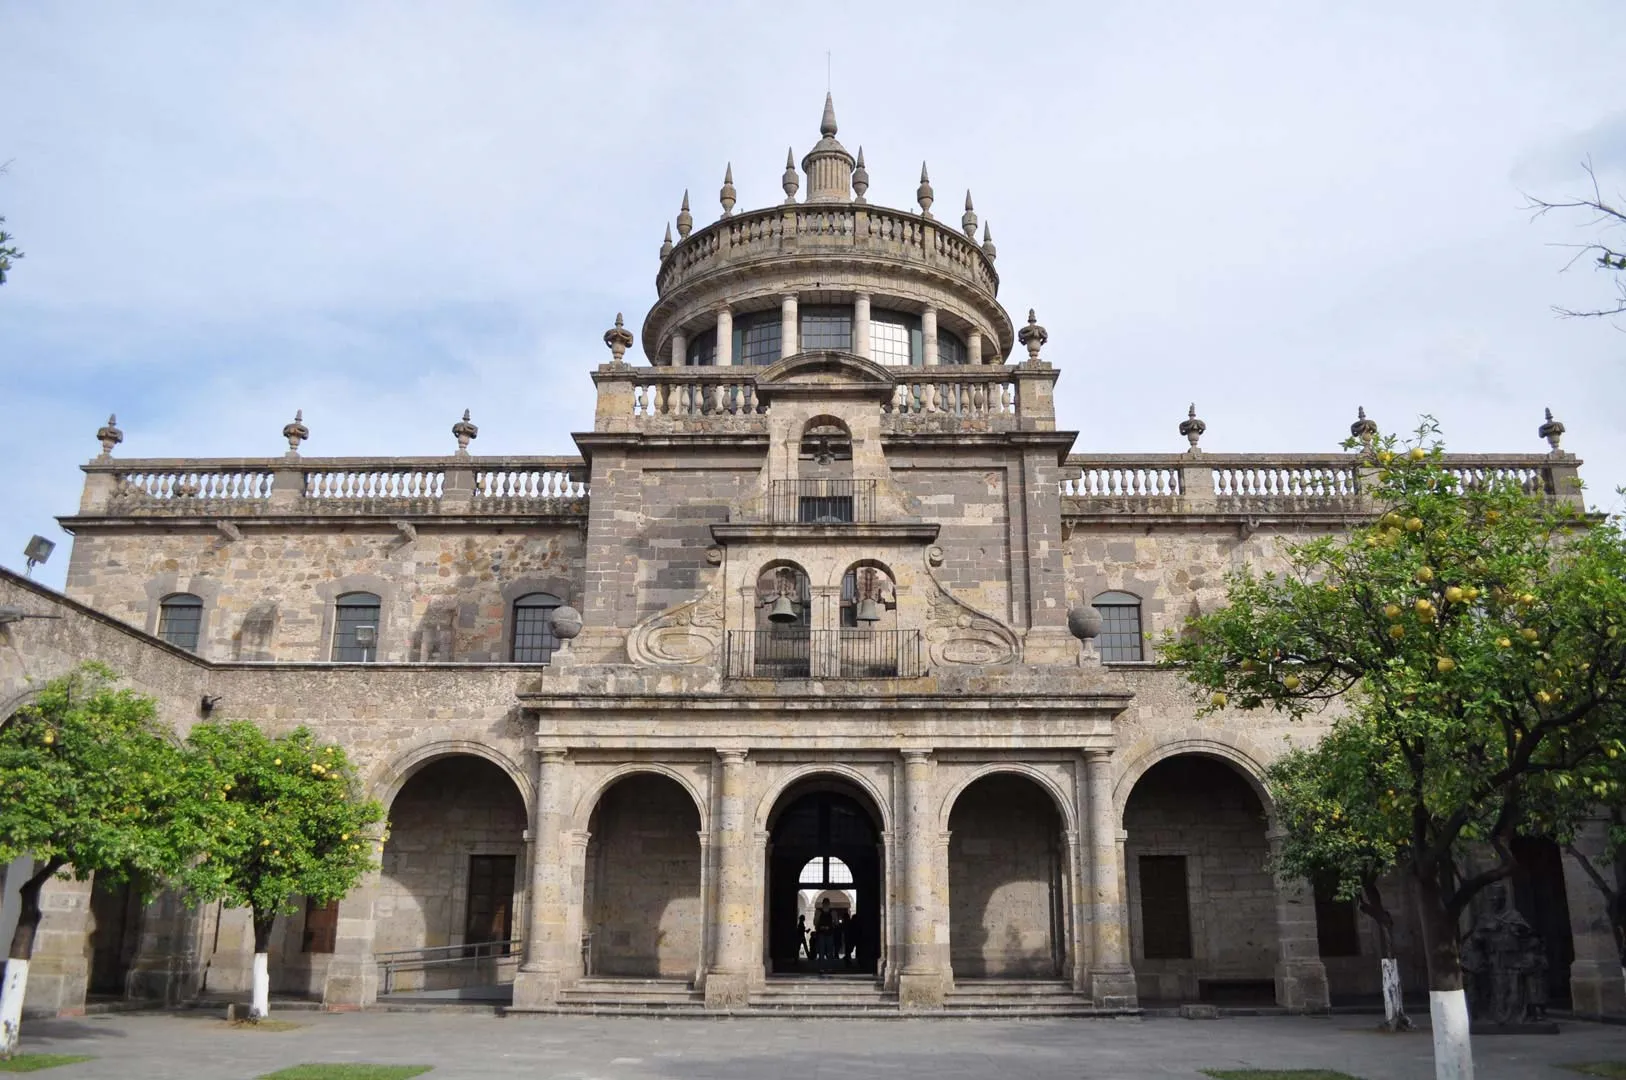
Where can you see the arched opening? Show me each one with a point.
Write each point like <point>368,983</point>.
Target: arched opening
<point>781,645</point>
<point>115,934</point>
<point>1539,896</point>
<point>1007,881</point>
<point>641,894</point>
<point>452,882</point>
<point>825,889</point>
<point>1202,902</point>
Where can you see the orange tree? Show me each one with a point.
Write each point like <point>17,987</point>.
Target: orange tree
<point>1473,632</point>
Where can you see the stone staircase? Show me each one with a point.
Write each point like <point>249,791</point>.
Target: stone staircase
<point>828,995</point>
<point>1019,999</point>
<point>631,997</point>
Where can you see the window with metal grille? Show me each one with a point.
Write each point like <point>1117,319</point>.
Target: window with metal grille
<point>355,628</point>
<point>950,349</point>
<point>534,640</point>
<point>894,338</point>
<point>702,350</point>
<point>1165,909</point>
<point>321,927</point>
<point>1120,626</point>
<point>1336,931</point>
<point>756,339</point>
<point>826,328</point>
<point>180,616</point>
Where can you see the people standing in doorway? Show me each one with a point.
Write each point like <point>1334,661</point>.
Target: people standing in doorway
<point>823,924</point>
<point>802,948</point>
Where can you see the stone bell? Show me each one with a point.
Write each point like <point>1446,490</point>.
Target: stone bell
<point>869,610</point>
<point>784,611</point>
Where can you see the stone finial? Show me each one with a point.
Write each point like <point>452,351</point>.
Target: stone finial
<point>860,178</point>
<point>110,435</point>
<point>923,193</point>
<point>296,432</point>
<point>1033,336</point>
<point>666,245</point>
<point>1363,429</point>
<point>1552,431</point>
<point>619,339</point>
<point>463,431</point>
<point>968,220</point>
<point>988,248</point>
<point>685,219</point>
<point>1192,428</point>
<point>827,123</point>
<point>792,179</point>
<point>566,622</point>
<point>726,195</point>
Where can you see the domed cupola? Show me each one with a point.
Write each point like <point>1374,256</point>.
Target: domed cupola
<point>828,166</point>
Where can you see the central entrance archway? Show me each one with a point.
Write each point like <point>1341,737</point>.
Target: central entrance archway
<point>824,865</point>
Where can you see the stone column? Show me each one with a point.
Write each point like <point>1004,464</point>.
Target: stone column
<point>166,967</point>
<point>537,983</point>
<point>920,981</point>
<point>680,348</point>
<point>725,337</point>
<point>1111,979</point>
<point>1301,978</point>
<point>728,980</point>
<point>789,327</point>
<point>861,325</point>
<point>351,980</point>
<point>59,974</point>
<point>973,347</point>
<point>928,336</point>
<point>1597,984</point>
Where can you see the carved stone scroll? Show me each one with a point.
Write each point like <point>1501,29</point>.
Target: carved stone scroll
<point>690,633</point>
<point>958,633</point>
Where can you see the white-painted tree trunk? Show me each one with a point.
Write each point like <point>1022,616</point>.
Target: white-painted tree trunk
<point>1393,1007</point>
<point>1453,1055</point>
<point>261,1007</point>
<point>11,1005</point>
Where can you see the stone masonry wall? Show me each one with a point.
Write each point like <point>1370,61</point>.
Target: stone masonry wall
<point>1004,881</point>
<point>643,879</point>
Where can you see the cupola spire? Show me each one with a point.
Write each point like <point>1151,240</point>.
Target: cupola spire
<point>827,126</point>
<point>828,166</point>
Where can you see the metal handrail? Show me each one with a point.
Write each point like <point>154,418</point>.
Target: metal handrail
<point>417,959</point>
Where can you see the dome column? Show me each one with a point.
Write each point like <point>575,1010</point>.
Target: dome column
<point>861,325</point>
<point>725,337</point>
<point>928,335</point>
<point>973,347</point>
<point>680,348</point>
<point>788,326</point>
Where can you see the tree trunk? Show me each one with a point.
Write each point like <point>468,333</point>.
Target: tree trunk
<point>1394,1003</point>
<point>260,1008</point>
<point>1447,1004</point>
<point>15,986</point>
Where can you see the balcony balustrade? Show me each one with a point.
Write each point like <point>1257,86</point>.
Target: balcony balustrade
<point>799,653</point>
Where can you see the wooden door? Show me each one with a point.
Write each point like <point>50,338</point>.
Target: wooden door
<point>491,901</point>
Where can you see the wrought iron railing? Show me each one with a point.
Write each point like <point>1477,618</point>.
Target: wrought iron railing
<point>392,964</point>
<point>848,653</point>
<point>821,502</point>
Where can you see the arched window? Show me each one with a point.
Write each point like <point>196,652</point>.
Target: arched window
<point>756,338</point>
<point>534,640</point>
<point>355,628</point>
<point>180,617</point>
<point>950,349</point>
<point>894,338</point>
<point>702,350</point>
<point>1120,626</point>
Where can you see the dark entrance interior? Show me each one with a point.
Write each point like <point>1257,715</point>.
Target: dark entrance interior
<point>826,847</point>
<point>490,921</point>
<point>115,910</point>
<point>1538,893</point>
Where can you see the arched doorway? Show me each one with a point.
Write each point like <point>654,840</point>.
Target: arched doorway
<point>452,884</point>
<point>1007,881</point>
<point>1202,901</point>
<point>1539,896</point>
<point>824,864</point>
<point>641,894</point>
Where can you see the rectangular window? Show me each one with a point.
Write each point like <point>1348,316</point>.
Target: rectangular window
<point>534,640</point>
<point>321,927</point>
<point>893,339</point>
<point>355,633</point>
<point>491,904</point>
<point>1335,924</point>
<point>757,340</point>
<point>1120,632</point>
<point>826,328</point>
<point>179,623</point>
<point>824,509</point>
<point>1165,908</point>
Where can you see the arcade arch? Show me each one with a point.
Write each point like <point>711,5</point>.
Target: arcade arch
<point>825,844</point>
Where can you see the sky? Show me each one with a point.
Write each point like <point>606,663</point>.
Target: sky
<point>383,214</point>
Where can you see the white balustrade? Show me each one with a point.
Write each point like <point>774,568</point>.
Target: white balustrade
<point>171,486</point>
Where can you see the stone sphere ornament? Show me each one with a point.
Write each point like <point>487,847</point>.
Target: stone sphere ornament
<point>567,622</point>
<point>1084,622</point>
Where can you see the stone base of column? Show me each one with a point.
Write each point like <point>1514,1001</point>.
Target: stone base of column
<point>1301,986</point>
<point>921,990</point>
<point>1111,988</point>
<point>56,987</point>
<point>536,989</point>
<point>169,980</point>
<point>727,990</point>
<point>1051,646</point>
<point>350,985</point>
<point>1597,990</point>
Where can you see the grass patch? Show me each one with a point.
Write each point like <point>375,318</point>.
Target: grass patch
<point>35,1062</point>
<point>347,1072</point>
<point>1277,1074</point>
<point>1598,1068</point>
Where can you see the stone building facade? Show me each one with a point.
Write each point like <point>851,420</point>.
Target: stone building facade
<point>828,620</point>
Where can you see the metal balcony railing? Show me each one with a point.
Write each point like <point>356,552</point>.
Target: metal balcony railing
<point>821,502</point>
<point>799,653</point>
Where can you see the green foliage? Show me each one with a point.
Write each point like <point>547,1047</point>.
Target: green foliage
<point>9,252</point>
<point>90,778</point>
<point>348,1072</point>
<point>279,817</point>
<point>1475,633</point>
<point>1615,1069</point>
<point>27,1063</point>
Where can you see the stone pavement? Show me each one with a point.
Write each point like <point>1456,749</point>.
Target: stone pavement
<point>154,1046</point>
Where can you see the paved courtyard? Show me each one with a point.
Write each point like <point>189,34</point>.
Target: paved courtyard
<point>154,1046</point>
